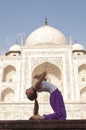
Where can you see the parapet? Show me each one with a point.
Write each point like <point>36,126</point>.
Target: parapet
<point>43,125</point>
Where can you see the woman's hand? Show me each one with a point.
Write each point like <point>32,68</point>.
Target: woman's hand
<point>36,117</point>
<point>37,76</point>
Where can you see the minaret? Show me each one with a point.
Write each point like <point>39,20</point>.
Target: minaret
<point>70,40</point>
<point>22,40</point>
<point>0,50</point>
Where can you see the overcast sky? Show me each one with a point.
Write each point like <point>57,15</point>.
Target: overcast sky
<point>21,17</point>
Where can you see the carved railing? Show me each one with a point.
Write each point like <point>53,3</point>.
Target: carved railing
<point>43,125</point>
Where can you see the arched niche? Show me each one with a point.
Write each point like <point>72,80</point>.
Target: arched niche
<point>82,73</point>
<point>53,72</point>
<point>53,76</point>
<point>83,94</point>
<point>9,73</point>
<point>7,95</point>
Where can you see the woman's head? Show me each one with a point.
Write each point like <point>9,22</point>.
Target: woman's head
<point>31,94</point>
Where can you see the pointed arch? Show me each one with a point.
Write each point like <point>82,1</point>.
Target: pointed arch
<point>9,74</point>
<point>53,76</point>
<point>53,72</point>
<point>83,94</point>
<point>82,73</point>
<point>7,95</point>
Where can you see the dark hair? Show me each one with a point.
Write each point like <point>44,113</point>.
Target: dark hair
<point>36,107</point>
<point>33,96</point>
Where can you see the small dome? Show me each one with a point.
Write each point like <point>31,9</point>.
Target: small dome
<point>77,46</point>
<point>15,47</point>
<point>45,35</point>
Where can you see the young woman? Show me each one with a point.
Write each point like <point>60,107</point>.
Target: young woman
<point>56,99</point>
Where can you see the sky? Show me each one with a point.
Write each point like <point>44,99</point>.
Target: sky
<point>21,17</point>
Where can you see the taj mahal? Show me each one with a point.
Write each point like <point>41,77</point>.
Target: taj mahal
<point>46,48</point>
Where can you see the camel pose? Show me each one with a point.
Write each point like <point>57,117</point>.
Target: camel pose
<point>56,99</point>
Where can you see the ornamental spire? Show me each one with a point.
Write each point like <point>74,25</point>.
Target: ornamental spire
<point>46,21</point>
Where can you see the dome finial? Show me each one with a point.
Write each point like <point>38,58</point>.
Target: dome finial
<point>76,41</point>
<point>46,21</point>
<point>17,42</point>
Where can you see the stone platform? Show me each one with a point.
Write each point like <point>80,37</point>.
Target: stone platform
<point>43,125</point>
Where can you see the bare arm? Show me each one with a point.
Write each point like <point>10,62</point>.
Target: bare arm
<point>38,83</point>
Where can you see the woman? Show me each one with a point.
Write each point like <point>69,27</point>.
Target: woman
<point>56,99</point>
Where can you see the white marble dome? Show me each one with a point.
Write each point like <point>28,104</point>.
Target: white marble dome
<point>77,46</point>
<point>46,35</point>
<point>15,47</point>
